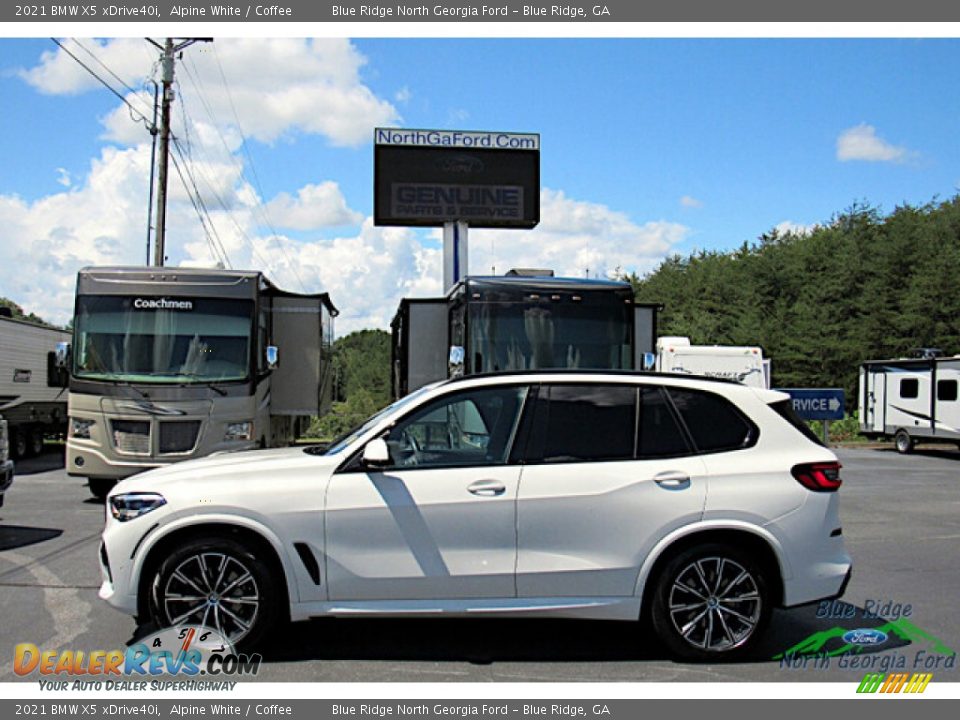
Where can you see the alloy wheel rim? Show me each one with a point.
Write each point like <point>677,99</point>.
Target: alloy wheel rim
<point>714,604</point>
<point>214,590</point>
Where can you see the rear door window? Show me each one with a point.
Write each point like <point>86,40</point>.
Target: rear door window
<point>584,423</point>
<point>659,434</point>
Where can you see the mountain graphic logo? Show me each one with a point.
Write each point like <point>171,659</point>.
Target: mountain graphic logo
<point>831,643</point>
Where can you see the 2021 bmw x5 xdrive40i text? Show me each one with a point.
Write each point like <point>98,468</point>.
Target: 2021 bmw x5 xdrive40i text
<point>577,494</point>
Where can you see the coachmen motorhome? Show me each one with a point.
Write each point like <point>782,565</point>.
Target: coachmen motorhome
<point>743,364</point>
<point>169,364</point>
<point>911,400</point>
<point>33,395</point>
<point>526,320</point>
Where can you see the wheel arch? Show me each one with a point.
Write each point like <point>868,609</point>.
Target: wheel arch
<point>760,544</point>
<point>266,545</point>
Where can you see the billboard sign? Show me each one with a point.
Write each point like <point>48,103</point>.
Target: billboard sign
<point>432,177</point>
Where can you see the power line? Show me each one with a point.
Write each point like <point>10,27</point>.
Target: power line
<point>253,168</point>
<point>213,191</point>
<point>104,66</point>
<point>142,117</point>
<point>196,199</point>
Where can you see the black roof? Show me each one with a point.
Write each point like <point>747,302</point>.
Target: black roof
<point>595,372</point>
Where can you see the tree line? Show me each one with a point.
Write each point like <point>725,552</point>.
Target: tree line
<point>864,286</point>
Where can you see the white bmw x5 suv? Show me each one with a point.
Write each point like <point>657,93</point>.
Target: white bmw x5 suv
<point>701,504</point>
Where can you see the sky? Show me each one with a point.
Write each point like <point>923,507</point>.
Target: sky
<point>649,147</point>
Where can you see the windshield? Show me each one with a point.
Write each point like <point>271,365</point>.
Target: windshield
<point>536,335</point>
<point>162,340</point>
<point>348,437</point>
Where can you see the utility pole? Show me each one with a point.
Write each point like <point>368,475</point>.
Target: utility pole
<point>167,59</point>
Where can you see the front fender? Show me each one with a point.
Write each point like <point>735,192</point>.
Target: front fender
<point>216,517</point>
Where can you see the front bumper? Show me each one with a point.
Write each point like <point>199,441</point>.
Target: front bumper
<point>6,478</point>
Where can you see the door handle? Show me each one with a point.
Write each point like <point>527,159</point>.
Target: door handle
<point>487,488</point>
<point>672,480</point>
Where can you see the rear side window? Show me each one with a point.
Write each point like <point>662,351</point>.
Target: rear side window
<point>714,423</point>
<point>784,409</point>
<point>659,434</point>
<point>588,422</point>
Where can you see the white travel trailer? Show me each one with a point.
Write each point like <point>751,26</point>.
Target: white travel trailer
<point>910,400</point>
<point>33,395</point>
<point>740,363</point>
<point>169,364</point>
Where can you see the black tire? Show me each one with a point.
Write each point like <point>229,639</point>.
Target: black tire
<point>245,615</point>
<point>100,487</point>
<point>903,442</point>
<point>36,442</point>
<point>711,603</point>
<point>19,446</point>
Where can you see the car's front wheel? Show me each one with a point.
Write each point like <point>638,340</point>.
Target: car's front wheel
<point>219,583</point>
<point>711,603</point>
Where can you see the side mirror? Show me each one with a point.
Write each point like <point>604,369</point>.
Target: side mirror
<point>455,361</point>
<point>273,357</point>
<point>649,361</point>
<point>376,453</point>
<point>62,354</point>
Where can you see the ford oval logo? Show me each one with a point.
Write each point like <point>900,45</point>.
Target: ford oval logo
<point>461,165</point>
<point>865,636</point>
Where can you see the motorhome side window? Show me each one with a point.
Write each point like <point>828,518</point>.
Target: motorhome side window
<point>909,388</point>
<point>947,390</point>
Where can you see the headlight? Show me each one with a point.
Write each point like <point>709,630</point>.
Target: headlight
<point>133,505</point>
<point>239,431</point>
<point>80,428</point>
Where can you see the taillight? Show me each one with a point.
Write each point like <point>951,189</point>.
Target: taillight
<point>819,477</point>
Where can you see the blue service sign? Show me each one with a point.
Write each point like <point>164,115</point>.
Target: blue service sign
<point>817,403</point>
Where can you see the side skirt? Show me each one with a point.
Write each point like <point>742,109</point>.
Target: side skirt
<point>597,608</point>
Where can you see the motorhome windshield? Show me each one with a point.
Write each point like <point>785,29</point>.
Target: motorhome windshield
<point>171,340</point>
<point>529,335</point>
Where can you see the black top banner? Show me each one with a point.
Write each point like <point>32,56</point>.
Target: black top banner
<point>492,11</point>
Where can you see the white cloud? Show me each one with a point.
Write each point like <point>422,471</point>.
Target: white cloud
<point>403,95</point>
<point>861,142</point>
<point>63,177</point>
<point>788,227</point>
<point>315,206</point>
<point>277,86</point>
<point>100,217</point>
<point>59,74</point>
<point>575,237</point>
<point>689,201</point>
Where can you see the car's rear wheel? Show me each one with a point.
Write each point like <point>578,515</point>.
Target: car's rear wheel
<point>218,583</point>
<point>903,442</point>
<point>711,603</point>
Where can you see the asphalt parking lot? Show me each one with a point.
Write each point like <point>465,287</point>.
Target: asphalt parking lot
<point>901,521</point>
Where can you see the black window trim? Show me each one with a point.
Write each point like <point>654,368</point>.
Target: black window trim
<point>754,430</point>
<point>353,462</point>
<point>537,418</point>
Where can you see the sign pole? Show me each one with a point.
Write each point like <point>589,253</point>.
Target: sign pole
<point>454,253</point>
<point>826,431</point>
